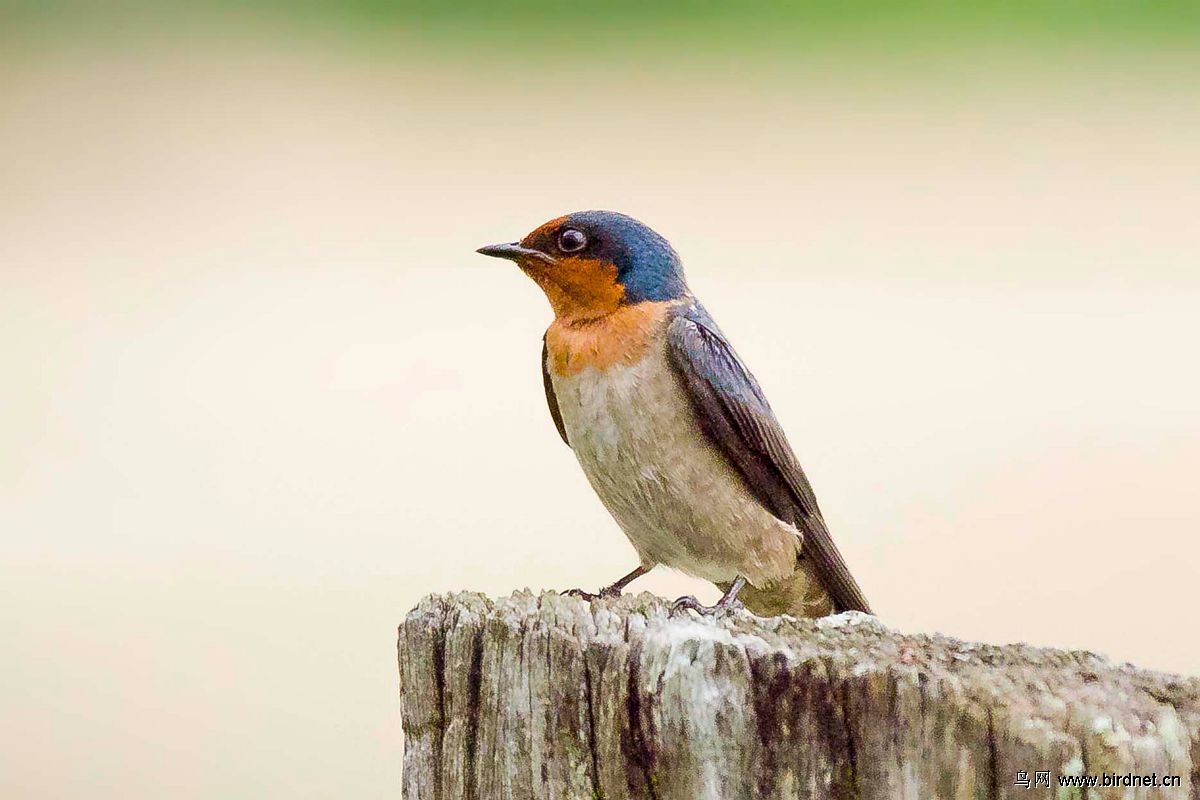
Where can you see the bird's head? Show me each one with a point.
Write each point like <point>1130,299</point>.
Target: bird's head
<point>591,263</point>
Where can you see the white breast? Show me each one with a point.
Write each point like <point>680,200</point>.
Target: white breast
<point>677,498</point>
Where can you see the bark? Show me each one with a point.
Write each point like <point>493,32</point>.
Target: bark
<point>552,697</point>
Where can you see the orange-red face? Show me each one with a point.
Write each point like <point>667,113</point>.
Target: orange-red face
<point>578,286</point>
<point>592,263</point>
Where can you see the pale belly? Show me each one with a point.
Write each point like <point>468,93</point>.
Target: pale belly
<point>676,497</point>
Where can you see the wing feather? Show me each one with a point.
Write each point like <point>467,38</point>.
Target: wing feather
<point>551,399</point>
<point>734,414</point>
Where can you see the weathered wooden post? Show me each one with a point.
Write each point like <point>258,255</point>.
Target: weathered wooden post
<point>552,697</point>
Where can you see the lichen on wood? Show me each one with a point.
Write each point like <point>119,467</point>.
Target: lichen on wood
<point>543,696</point>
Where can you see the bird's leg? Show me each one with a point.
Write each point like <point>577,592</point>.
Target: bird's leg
<point>727,603</point>
<point>614,588</point>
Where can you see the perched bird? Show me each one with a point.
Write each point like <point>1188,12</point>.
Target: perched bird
<point>671,429</point>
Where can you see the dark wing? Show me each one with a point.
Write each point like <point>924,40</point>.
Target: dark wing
<point>735,416</point>
<point>551,400</point>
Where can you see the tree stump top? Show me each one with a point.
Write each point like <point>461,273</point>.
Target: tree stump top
<point>549,696</point>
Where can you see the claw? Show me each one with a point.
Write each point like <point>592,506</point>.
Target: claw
<point>687,603</point>
<point>606,593</point>
<point>728,602</point>
<point>612,590</point>
<point>718,609</point>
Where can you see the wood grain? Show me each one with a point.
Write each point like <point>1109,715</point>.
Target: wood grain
<point>542,696</point>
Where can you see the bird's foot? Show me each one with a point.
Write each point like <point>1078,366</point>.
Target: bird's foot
<point>728,603</point>
<point>606,592</point>
<point>613,589</point>
<point>725,605</point>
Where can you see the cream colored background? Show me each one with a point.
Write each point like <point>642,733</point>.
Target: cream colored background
<point>259,395</point>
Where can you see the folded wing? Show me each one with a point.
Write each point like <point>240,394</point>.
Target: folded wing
<point>735,416</point>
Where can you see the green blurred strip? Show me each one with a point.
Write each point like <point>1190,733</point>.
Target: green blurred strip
<point>748,24</point>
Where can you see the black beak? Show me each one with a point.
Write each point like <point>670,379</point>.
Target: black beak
<point>513,252</point>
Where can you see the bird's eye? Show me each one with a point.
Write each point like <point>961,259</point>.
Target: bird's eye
<point>571,240</point>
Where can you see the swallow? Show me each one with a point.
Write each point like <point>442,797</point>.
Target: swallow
<point>670,428</point>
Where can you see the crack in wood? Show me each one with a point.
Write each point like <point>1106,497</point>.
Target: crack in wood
<point>474,713</point>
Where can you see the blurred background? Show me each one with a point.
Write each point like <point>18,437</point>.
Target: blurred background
<point>259,395</point>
